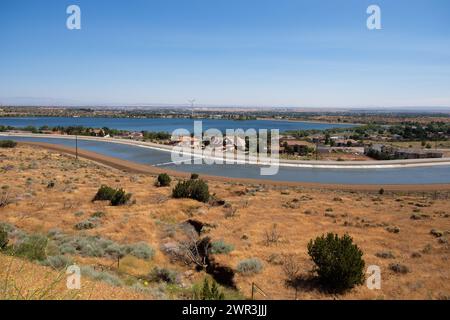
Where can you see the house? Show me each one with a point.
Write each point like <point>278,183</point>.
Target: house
<point>317,138</point>
<point>346,143</point>
<point>186,141</point>
<point>136,135</point>
<point>417,154</point>
<point>98,132</point>
<point>386,152</point>
<point>300,147</point>
<point>228,143</point>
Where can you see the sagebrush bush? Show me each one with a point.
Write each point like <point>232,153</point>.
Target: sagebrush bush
<point>208,291</point>
<point>90,223</point>
<point>115,250</point>
<point>104,193</point>
<point>163,180</point>
<point>249,266</point>
<point>140,250</point>
<point>163,274</point>
<point>338,262</point>
<point>194,189</point>
<point>57,262</point>
<point>32,247</point>
<point>156,292</point>
<point>94,246</point>
<point>107,277</point>
<point>120,198</point>
<point>218,247</point>
<point>7,144</point>
<point>98,214</point>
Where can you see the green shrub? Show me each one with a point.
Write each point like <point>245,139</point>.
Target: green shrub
<point>32,247</point>
<point>95,246</point>
<point>3,238</point>
<point>199,190</point>
<point>181,190</point>
<point>194,176</point>
<point>58,262</point>
<point>104,193</point>
<point>115,250</point>
<point>140,250</point>
<point>194,189</point>
<point>7,144</point>
<point>120,198</point>
<point>163,274</point>
<point>221,246</point>
<point>90,223</point>
<point>249,266</point>
<point>208,291</point>
<point>107,277</point>
<point>338,262</point>
<point>163,180</point>
<point>98,214</point>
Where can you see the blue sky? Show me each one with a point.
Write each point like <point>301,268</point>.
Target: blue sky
<point>226,52</point>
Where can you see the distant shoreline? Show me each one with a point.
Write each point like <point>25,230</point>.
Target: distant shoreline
<point>312,121</point>
<point>134,167</point>
<point>371,164</point>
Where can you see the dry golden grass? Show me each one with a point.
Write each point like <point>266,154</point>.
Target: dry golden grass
<point>21,279</point>
<point>299,213</point>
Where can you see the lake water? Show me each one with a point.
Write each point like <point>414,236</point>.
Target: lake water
<point>410,175</point>
<point>163,124</point>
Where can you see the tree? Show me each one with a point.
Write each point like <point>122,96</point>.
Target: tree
<point>209,292</point>
<point>338,262</point>
<point>164,180</point>
<point>194,189</point>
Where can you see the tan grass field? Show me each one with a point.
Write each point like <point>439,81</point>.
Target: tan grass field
<point>300,213</point>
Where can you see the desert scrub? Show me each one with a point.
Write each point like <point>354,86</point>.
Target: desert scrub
<point>249,266</point>
<point>207,291</point>
<point>120,198</point>
<point>163,180</point>
<point>90,223</point>
<point>116,197</point>
<point>157,292</point>
<point>98,214</point>
<point>221,247</point>
<point>107,277</point>
<point>194,176</point>
<point>163,274</point>
<point>32,247</point>
<point>338,262</point>
<point>14,233</point>
<point>140,250</point>
<point>3,238</point>
<point>58,262</point>
<point>94,246</point>
<point>78,213</point>
<point>104,193</point>
<point>193,189</point>
<point>7,144</point>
